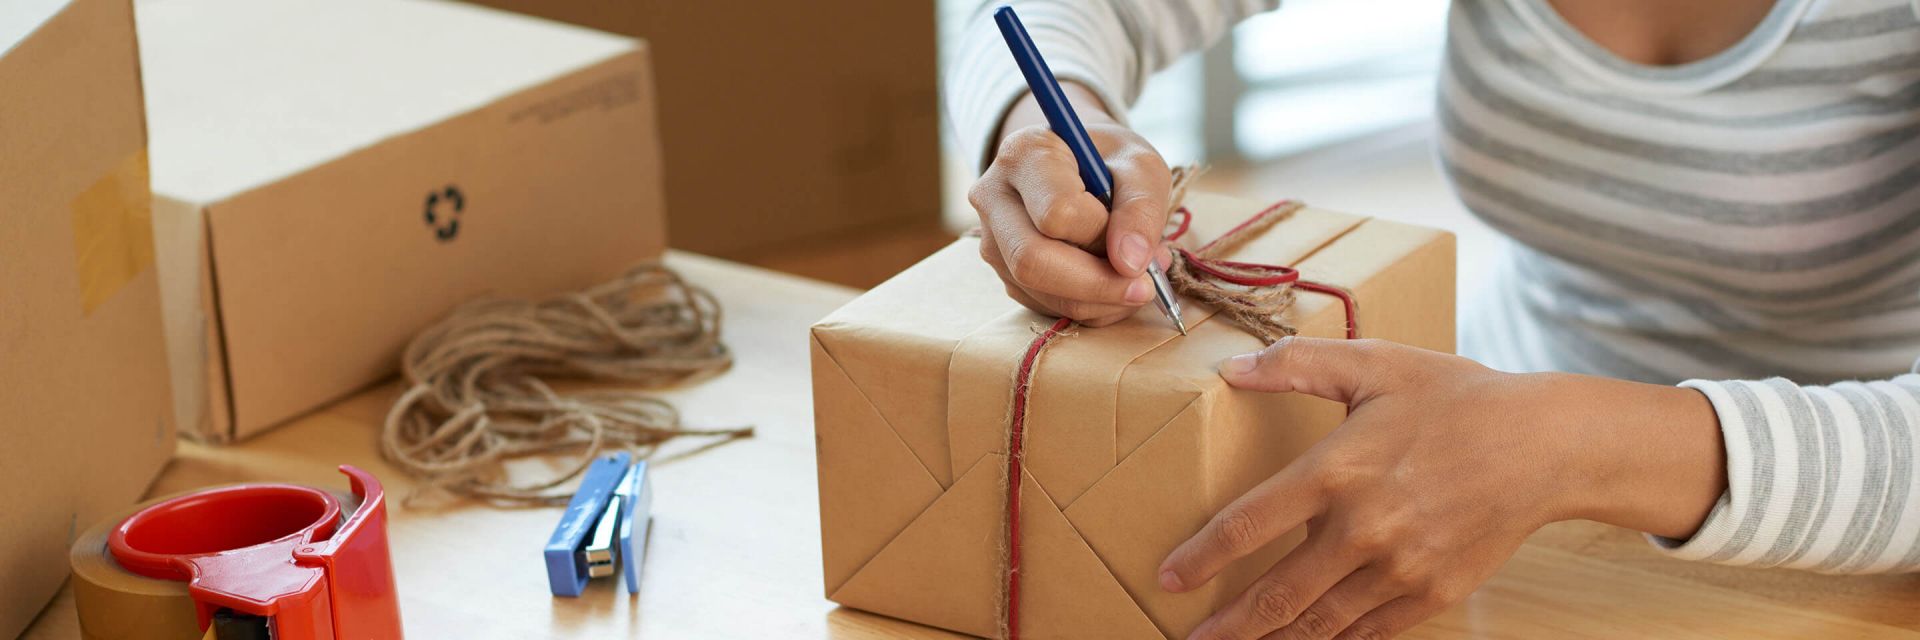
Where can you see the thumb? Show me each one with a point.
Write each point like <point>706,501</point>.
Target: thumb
<point>1338,370</point>
<point>1141,191</point>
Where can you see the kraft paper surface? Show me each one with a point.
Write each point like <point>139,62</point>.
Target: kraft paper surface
<point>113,231</point>
<point>84,375</point>
<point>1134,439</point>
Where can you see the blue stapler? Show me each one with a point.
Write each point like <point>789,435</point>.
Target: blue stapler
<point>598,532</point>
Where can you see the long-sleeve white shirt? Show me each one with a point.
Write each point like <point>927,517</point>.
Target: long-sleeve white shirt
<point>1729,225</point>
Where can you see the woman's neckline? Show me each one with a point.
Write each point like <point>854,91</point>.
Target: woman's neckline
<point>1696,76</point>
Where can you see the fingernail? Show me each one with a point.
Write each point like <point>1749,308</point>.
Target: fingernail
<point>1241,364</point>
<point>1133,251</point>
<point>1169,580</point>
<point>1205,630</point>
<point>1139,291</point>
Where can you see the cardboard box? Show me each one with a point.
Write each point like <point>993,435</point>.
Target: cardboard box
<point>787,123</point>
<point>1133,440</point>
<point>332,177</point>
<point>85,415</point>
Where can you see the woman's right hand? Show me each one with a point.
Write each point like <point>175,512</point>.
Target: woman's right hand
<point>1059,251</point>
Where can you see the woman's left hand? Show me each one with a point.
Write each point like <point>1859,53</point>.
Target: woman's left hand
<point>1441,470</point>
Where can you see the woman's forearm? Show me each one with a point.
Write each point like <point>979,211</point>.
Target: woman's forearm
<point>1441,471</point>
<point>1112,47</point>
<point>1651,457</point>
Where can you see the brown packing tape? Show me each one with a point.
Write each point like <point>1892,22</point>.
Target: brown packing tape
<point>113,231</point>
<point>115,604</point>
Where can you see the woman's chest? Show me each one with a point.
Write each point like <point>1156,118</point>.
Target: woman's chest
<point>1794,151</point>
<point>1811,86</point>
<point>1661,32</point>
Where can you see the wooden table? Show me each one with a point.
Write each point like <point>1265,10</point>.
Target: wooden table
<point>735,548</point>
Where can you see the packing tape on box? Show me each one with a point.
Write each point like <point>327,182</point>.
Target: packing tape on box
<point>117,604</point>
<point>279,561</point>
<point>113,231</point>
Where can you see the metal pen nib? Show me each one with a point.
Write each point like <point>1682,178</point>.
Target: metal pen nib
<point>1163,296</point>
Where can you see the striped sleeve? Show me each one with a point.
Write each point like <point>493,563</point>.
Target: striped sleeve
<point>1110,46</point>
<point>1818,477</point>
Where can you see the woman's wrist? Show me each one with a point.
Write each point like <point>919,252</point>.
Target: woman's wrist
<point>1025,112</point>
<point>1641,456</point>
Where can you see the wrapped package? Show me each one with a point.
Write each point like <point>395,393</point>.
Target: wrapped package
<point>1132,440</point>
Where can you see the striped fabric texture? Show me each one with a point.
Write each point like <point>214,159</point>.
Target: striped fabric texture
<point>1730,225</point>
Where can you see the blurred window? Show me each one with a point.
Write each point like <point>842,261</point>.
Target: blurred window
<point>1321,71</point>
<point>1314,73</point>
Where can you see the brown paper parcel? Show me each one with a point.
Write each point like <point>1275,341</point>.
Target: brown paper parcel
<point>1133,439</point>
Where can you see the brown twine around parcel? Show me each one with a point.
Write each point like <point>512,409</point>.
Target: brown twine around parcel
<point>1254,296</point>
<point>478,383</point>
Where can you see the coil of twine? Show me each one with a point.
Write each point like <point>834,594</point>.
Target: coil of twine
<point>478,384</point>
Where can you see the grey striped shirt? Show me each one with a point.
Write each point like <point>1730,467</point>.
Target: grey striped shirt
<point>1751,216</point>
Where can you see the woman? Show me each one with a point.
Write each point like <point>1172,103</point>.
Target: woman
<point>1719,194</point>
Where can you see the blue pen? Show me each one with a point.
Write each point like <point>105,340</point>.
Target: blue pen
<point>1066,124</point>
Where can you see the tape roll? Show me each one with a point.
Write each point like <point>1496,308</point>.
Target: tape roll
<point>116,604</point>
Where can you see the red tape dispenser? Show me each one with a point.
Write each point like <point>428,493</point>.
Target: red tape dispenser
<point>272,561</point>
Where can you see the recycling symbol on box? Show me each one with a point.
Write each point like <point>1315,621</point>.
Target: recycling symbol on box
<point>443,212</point>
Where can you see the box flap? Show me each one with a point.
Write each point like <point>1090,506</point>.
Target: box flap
<point>937,569</point>
<point>895,341</point>
<point>1224,444</point>
<point>20,18</point>
<point>242,92</point>
<point>871,486</point>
